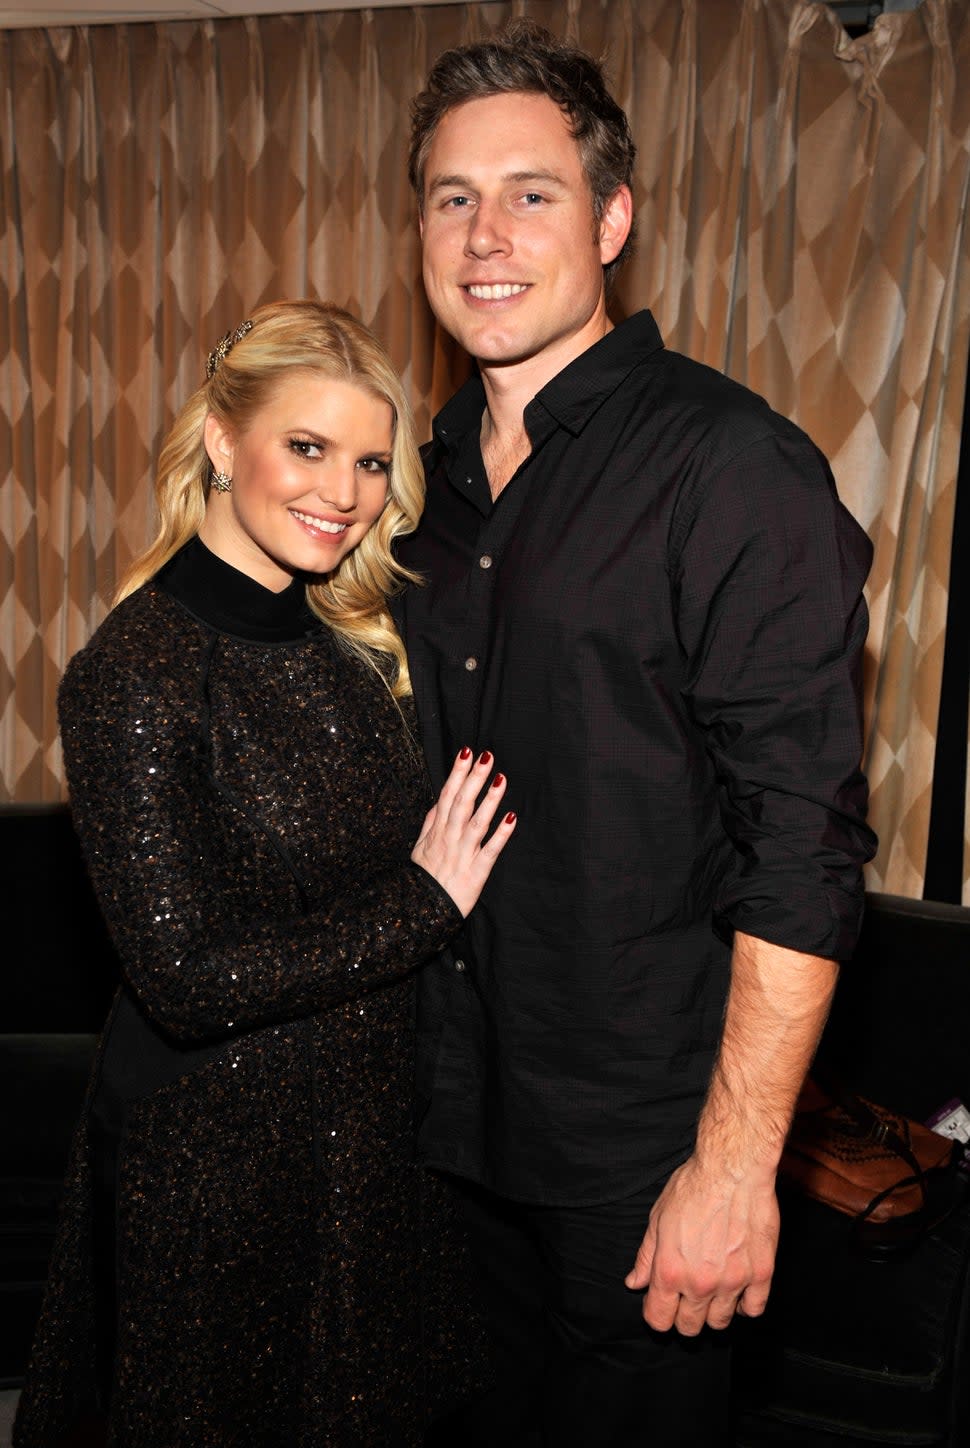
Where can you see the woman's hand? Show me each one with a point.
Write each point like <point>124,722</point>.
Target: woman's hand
<point>452,845</point>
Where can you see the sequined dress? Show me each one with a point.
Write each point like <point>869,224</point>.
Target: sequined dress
<point>247,796</point>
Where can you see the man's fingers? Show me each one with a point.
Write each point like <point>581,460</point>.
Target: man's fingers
<point>691,1317</point>
<point>754,1300</point>
<point>660,1308</point>
<point>639,1274</point>
<point>721,1310</point>
<point>664,1309</point>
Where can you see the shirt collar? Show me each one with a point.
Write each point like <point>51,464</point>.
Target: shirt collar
<point>573,396</point>
<point>577,393</point>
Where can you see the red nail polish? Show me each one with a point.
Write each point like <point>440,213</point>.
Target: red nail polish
<point>465,753</point>
<point>498,781</point>
<point>485,757</point>
<point>510,817</point>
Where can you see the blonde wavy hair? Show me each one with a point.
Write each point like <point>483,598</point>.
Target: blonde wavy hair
<point>321,338</point>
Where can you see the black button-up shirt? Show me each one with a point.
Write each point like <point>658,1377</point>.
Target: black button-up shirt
<point>657,628</point>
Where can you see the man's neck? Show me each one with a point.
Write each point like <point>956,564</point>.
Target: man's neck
<point>508,391</point>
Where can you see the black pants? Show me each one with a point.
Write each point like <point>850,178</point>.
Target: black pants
<point>577,1365</point>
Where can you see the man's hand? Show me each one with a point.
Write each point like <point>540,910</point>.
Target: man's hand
<point>709,1250</point>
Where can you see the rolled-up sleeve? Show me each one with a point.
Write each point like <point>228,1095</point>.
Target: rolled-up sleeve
<point>767,571</point>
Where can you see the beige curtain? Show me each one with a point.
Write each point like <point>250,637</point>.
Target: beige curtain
<point>802,205</point>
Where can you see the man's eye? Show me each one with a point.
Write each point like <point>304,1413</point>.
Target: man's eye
<point>458,202</point>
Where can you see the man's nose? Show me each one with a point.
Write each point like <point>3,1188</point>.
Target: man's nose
<point>488,231</point>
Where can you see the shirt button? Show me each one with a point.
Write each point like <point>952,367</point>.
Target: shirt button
<point>459,965</point>
<point>485,561</point>
<point>468,482</point>
<point>471,665</point>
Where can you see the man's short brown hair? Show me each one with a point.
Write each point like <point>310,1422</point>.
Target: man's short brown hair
<point>525,57</point>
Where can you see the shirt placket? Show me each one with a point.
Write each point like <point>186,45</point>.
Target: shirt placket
<point>482,583</point>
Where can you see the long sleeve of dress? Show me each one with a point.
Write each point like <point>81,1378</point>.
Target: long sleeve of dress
<point>180,866</point>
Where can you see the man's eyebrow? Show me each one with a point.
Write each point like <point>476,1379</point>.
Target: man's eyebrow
<point>519,178</point>
<point>438,183</point>
<point>512,178</point>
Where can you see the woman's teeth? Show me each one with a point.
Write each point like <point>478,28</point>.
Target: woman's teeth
<point>321,524</point>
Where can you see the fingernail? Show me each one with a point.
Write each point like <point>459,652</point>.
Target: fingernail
<point>485,757</point>
<point>510,817</point>
<point>465,753</point>
<point>498,781</point>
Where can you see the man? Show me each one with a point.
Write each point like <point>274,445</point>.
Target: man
<point>643,594</point>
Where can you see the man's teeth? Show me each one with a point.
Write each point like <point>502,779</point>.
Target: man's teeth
<point>321,524</point>
<point>497,292</point>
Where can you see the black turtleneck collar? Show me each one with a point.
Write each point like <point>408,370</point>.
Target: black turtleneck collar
<point>233,603</point>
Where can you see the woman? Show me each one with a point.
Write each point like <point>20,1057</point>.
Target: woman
<point>249,1254</point>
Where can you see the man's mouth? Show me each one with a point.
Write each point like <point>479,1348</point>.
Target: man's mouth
<point>496,292</point>
<point>322,525</point>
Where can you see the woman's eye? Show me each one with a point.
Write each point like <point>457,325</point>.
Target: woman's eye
<point>374,465</point>
<point>305,447</point>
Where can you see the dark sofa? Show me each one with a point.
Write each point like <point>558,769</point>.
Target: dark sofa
<point>854,1352</point>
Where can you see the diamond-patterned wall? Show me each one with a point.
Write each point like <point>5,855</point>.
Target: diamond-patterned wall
<point>802,206</point>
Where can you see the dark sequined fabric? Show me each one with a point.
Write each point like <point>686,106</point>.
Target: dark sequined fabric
<point>286,1274</point>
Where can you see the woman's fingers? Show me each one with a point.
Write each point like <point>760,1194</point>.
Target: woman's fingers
<point>486,811</point>
<point>497,840</point>
<point>438,814</point>
<point>457,800</point>
<point>452,845</point>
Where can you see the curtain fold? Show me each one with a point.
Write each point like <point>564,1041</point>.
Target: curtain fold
<point>802,204</point>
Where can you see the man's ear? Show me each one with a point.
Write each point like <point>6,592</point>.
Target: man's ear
<point>615,224</point>
<point>218,444</point>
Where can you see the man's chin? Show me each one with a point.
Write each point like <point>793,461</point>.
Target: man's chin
<point>490,344</point>
<point>496,352</point>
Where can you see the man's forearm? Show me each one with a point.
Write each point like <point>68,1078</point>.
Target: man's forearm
<point>777,1005</point>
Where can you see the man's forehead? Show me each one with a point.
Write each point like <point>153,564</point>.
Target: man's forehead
<point>528,105</point>
<point>521,134</point>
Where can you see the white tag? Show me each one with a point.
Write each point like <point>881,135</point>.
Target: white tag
<point>952,1120</point>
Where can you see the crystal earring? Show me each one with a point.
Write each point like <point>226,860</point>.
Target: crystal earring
<point>222,482</point>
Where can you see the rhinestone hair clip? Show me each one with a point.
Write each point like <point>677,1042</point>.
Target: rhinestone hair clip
<point>228,341</point>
